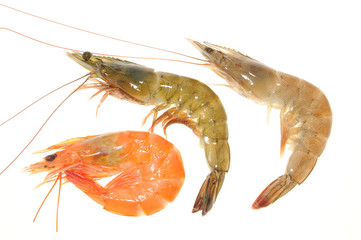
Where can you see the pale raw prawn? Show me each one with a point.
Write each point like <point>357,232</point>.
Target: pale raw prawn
<point>148,170</point>
<point>185,100</point>
<point>306,115</point>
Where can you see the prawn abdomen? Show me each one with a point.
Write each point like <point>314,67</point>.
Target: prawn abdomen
<point>218,155</point>
<point>199,107</point>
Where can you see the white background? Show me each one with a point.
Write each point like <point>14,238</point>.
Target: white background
<point>315,40</point>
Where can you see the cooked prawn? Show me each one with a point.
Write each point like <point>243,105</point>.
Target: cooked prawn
<point>185,100</point>
<point>306,115</point>
<point>148,170</point>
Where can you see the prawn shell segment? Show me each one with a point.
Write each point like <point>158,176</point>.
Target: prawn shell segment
<point>152,176</point>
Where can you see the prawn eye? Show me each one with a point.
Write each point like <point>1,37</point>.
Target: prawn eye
<point>209,50</point>
<point>87,55</point>
<point>51,157</point>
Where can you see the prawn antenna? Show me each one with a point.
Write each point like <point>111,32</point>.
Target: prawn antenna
<point>39,100</point>
<point>101,35</point>
<point>57,203</point>
<point>59,178</point>
<point>42,126</point>
<point>103,54</point>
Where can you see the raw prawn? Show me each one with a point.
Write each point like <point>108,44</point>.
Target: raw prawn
<point>306,115</point>
<point>149,170</point>
<point>185,100</point>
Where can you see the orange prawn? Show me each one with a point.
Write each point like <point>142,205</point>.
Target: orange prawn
<point>148,170</point>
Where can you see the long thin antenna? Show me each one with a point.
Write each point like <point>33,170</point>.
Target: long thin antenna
<point>41,205</point>
<point>39,100</point>
<point>104,54</point>
<point>57,205</point>
<point>98,34</point>
<point>42,126</point>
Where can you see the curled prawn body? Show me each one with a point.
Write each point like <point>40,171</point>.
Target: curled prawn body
<point>185,100</point>
<point>148,170</point>
<point>306,115</point>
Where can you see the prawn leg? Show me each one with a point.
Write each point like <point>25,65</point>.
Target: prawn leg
<point>113,197</point>
<point>284,136</point>
<point>172,116</point>
<point>182,118</point>
<point>154,111</point>
<point>93,189</point>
